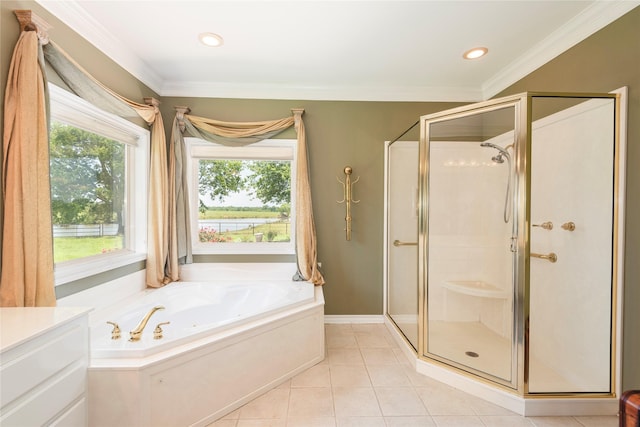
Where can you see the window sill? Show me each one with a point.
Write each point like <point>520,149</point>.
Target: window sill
<point>79,269</point>
<point>284,248</point>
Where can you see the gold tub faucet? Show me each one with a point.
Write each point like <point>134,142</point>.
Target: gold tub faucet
<point>136,334</point>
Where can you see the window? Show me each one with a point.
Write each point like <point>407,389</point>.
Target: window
<point>98,188</point>
<point>242,198</point>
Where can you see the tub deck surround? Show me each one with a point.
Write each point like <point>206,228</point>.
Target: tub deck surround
<point>192,309</point>
<point>217,365</point>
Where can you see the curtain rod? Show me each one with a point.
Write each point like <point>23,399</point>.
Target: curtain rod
<point>180,112</point>
<point>29,21</point>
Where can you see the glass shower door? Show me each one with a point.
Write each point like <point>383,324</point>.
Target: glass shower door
<point>571,258</point>
<point>469,249</point>
<point>402,237</point>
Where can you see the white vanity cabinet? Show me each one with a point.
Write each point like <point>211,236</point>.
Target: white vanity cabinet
<point>44,356</point>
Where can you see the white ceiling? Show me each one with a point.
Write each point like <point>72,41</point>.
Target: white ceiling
<point>334,49</point>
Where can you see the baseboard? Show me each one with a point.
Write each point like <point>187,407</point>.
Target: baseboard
<point>339,318</point>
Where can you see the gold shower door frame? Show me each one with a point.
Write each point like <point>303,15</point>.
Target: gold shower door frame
<point>522,104</point>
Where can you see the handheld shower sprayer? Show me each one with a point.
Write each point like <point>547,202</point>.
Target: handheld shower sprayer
<point>499,158</point>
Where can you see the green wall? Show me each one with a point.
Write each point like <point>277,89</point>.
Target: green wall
<point>353,133</point>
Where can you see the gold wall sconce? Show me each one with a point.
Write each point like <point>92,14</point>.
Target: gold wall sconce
<point>347,199</point>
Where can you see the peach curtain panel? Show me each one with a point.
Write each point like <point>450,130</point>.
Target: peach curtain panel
<point>27,242</point>
<point>243,133</point>
<point>160,269</point>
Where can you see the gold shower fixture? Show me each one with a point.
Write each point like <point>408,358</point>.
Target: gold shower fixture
<point>347,199</point>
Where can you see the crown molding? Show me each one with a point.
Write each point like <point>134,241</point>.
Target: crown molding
<point>321,93</point>
<point>595,17</point>
<point>76,18</point>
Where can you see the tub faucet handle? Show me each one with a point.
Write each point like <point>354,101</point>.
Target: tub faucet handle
<point>115,333</point>
<point>157,332</point>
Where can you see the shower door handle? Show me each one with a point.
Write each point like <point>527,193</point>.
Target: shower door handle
<point>399,243</point>
<point>551,257</point>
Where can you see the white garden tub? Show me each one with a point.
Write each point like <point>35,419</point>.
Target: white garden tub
<point>227,343</point>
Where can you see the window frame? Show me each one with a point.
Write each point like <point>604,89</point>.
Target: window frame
<point>268,149</point>
<point>75,111</point>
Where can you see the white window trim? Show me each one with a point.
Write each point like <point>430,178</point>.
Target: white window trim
<point>69,108</point>
<point>268,149</point>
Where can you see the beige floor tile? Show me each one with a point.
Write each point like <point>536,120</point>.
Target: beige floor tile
<point>224,423</point>
<point>397,401</point>
<point>368,340</point>
<point>345,356</point>
<point>338,328</point>
<point>604,421</point>
<point>505,421</point>
<point>286,384</point>
<point>458,421</point>
<point>482,407</point>
<point>554,422</point>
<point>409,421</point>
<point>419,380</point>
<point>349,376</point>
<point>273,404</point>
<point>444,401</point>
<point>311,422</point>
<point>369,328</point>
<point>379,356</point>
<point>311,402</point>
<point>403,359</point>
<point>388,376</point>
<point>316,376</point>
<point>360,422</point>
<point>355,402</point>
<point>262,423</point>
<point>341,341</point>
<point>232,415</point>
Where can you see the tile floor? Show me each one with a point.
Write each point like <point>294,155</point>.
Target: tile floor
<point>365,381</point>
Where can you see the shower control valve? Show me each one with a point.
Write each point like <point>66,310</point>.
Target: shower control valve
<point>548,225</point>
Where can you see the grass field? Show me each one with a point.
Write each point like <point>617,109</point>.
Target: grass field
<point>68,248</point>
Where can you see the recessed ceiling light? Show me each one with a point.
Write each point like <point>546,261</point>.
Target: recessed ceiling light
<point>475,53</point>
<point>211,39</point>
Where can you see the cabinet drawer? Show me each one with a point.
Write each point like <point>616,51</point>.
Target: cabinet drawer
<point>23,372</point>
<point>73,417</point>
<point>41,406</point>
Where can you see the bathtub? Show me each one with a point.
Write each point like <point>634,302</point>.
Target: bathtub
<point>227,342</point>
<point>193,310</point>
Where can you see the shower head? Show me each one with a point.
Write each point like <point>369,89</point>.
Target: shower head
<point>502,152</point>
<point>498,158</point>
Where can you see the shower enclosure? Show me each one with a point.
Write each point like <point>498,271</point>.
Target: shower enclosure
<point>515,284</point>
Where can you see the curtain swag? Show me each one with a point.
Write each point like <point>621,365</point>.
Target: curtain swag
<point>244,133</point>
